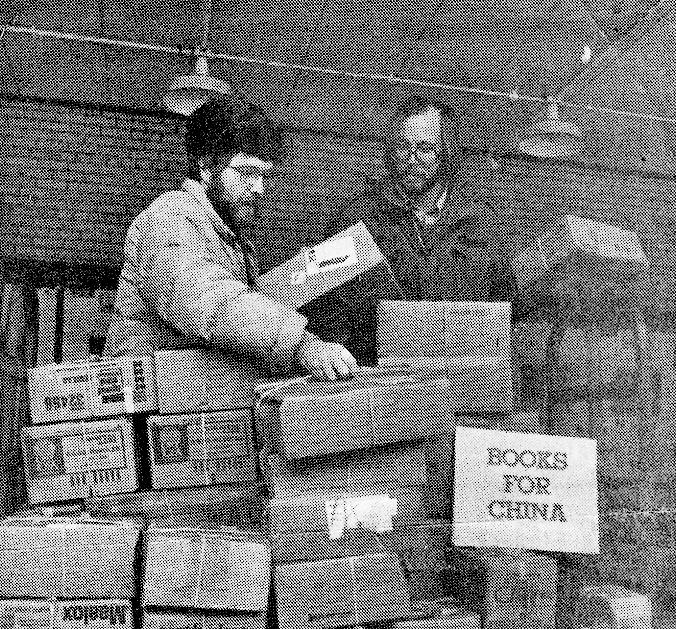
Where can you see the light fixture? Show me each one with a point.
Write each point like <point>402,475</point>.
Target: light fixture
<point>551,137</point>
<point>186,93</point>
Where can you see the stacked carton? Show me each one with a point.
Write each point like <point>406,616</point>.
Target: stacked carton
<point>82,440</point>
<point>67,572</point>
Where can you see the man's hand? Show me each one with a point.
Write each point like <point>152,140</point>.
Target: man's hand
<point>325,361</point>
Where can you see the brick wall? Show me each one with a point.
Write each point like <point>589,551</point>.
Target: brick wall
<point>73,177</point>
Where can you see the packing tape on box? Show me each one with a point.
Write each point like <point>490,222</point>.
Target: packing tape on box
<point>207,480</point>
<point>128,400</point>
<point>200,568</point>
<point>353,576</point>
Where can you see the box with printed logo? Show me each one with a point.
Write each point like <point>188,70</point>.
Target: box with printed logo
<point>201,449</point>
<point>593,250</point>
<point>205,569</point>
<point>188,619</point>
<point>508,588</point>
<point>349,263</point>
<point>84,389</point>
<point>75,614</point>
<point>201,380</point>
<point>68,558</point>
<point>72,460</point>
<point>341,592</point>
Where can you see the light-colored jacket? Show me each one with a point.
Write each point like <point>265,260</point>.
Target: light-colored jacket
<point>184,284</point>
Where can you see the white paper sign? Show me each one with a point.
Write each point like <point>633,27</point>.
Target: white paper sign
<point>331,255</point>
<point>522,490</point>
<point>374,513</point>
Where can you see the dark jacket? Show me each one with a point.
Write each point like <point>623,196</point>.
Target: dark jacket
<point>457,259</point>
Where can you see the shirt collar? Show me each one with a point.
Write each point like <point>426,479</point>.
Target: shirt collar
<point>196,189</point>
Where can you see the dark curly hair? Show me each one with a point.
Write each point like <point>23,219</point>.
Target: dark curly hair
<point>230,125</point>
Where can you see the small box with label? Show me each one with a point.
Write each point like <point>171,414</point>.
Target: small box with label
<point>85,389</point>
<point>74,614</point>
<point>349,261</point>
<point>201,449</point>
<point>593,250</point>
<point>72,460</point>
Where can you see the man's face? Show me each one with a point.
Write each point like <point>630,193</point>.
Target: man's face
<point>416,151</point>
<point>236,187</point>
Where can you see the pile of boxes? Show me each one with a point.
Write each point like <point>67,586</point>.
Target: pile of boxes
<point>206,494</point>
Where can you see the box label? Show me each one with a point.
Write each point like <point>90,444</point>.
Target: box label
<point>170,444</point>
<point>518,490</point>
<point>331,255</point>
<point>84,614</point>
<point>101,451</point>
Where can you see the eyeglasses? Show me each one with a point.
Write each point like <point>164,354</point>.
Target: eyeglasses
<point>252,176</point>
<point>424,151</point>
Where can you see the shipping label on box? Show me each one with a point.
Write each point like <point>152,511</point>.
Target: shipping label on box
<point>80,390</point>
<point>317,418</point>
<point>202,569</point>
<point>508,588</point>
<point>201,449</point>
<point>201,380</point>
<point>594,249</point>
<point>444,329</point>
<point>350,255</point>
<point>521,490</point>
<point>390,466</point>
<point>341,592</point>
<point>76,614</point>
<point>184,619</point>
<point>68,558</point>
<point>225,505</point>
<point>71,460</point>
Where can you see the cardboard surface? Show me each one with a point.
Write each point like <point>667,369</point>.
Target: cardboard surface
<point>182,619</point>
<point>201,449</point>
<point>75,614</point>
<point>447,614</point>
<point>317,418</point>
<point>521,490</point>
<point>582,247</point>
<point>71,460</point>
<point>84,389</point>
<point>508,588</point>
<point>341,592</point>
<point>390,466</point>
<point>205,569</point>
<point>318,270</point>
<point>444,328</point>
<point>201,380</point>
<point>608,602</point>
<point>218,504</point>
<point>67,558</point>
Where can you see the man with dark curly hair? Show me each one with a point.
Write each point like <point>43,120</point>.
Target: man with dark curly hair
<point>437,238</point>
<point>189,272</point>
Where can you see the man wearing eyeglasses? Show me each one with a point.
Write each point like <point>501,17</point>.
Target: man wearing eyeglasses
<point>189,271</point>
<point>437,239</point>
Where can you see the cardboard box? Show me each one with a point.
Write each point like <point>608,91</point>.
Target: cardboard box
<point>223,505</point>
<point>76,614</point>
<point>341,592</point>
<point>391,466</point>
<point>307,419</point>
<point>350,260</point>
<point>613,606</point>
<point>578,245</point>
<point>508,588</point>
<point>420,547</point>
<point>444,329</point>
<point>445,614</point>
<point>201,380</point>
<point>73,460</point>
<point>67,558</point>
<point>201,449</point>
<point>183,619</point>
<point>205,569</point>
<point>84,389</point>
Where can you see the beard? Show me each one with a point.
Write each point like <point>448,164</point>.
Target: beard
<point>415,180</point>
